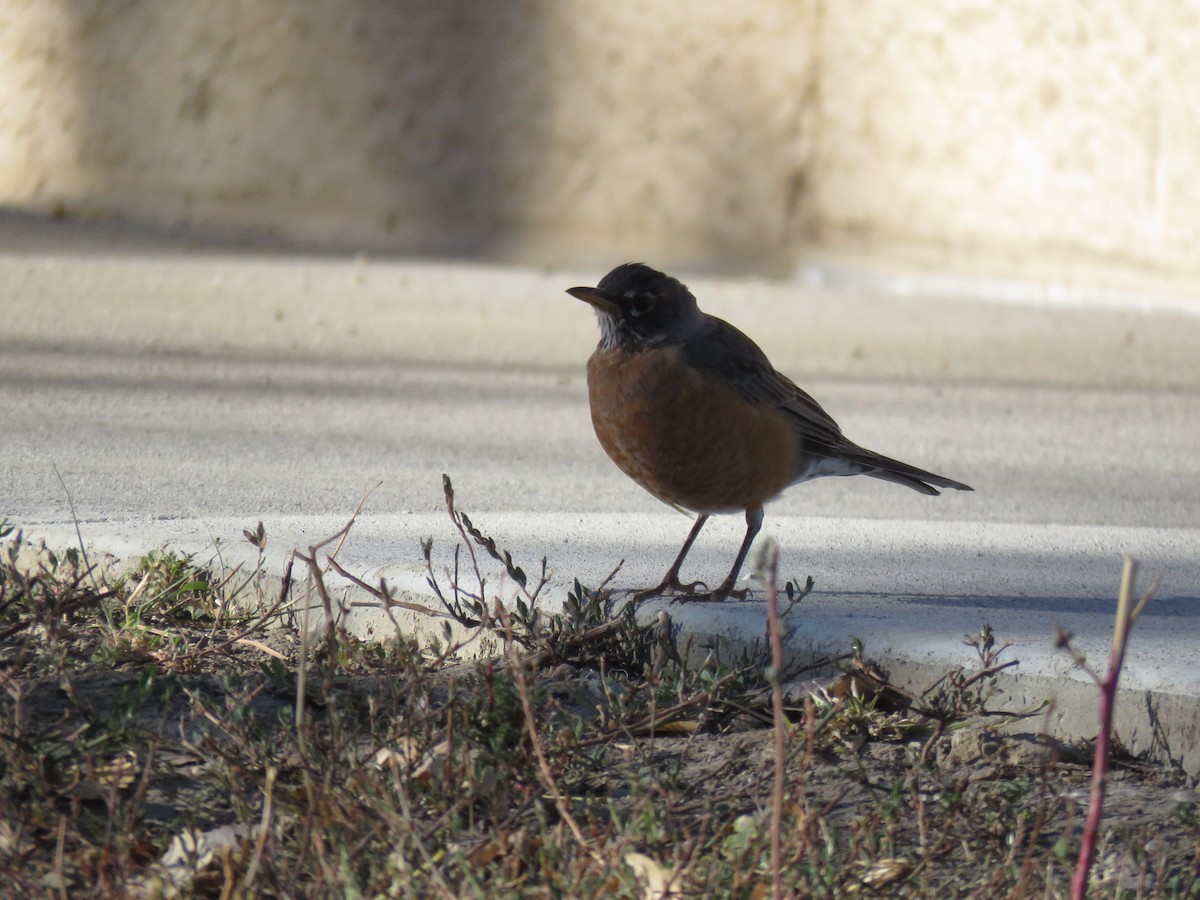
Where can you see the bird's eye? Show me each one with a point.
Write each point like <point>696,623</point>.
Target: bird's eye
<point>642,303</point>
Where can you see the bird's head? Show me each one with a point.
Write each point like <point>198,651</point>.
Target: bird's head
<point>640,307</point>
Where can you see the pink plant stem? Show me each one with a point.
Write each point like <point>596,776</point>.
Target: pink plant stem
<point>1108,703</point>
<point>779,721</point>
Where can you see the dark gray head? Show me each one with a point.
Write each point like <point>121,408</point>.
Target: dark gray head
<point>638,306</point>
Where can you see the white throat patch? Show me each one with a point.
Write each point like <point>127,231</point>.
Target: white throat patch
<point>609,333</point>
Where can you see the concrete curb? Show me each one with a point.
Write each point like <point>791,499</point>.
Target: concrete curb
<point>911,603</point>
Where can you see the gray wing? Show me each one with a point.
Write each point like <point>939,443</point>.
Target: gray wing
<point>720,349</point>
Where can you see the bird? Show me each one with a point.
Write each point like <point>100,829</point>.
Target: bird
<point>692,410</point>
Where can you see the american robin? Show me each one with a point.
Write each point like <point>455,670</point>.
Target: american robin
<point>693,411</point>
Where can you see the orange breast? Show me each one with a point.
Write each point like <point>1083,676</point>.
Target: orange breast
<point>690,442</point>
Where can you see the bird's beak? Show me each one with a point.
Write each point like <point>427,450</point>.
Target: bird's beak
<point>596,297</point>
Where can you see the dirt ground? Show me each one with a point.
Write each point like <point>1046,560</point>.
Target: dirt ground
<point>153,742</point>
<point>884,802</point>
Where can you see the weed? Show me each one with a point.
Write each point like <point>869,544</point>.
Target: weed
<point>170,733</point>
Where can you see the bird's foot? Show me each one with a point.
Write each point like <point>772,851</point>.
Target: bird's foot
<point>695,592</point>
<point>671,585</point>
<point>724,592</point>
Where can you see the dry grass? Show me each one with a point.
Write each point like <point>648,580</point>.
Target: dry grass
<point>172,732</point>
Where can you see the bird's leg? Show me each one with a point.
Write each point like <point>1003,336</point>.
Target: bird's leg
<point>671,581</point>
<point>754,520</point>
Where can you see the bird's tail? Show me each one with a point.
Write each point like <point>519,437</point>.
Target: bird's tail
<point>887,469</point>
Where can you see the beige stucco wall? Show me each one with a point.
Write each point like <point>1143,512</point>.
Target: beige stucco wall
<point>1029,139</point>
<point>1039,138</point>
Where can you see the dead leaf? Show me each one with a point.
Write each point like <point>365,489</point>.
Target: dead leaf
<point>656,877</point>
<point>879,874</point>
<point>96,783</point>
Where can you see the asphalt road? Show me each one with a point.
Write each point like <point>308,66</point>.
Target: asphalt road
<point>167,381</point>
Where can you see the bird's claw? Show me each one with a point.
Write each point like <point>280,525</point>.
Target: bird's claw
<point>721,593</point>
<point>695,592</point>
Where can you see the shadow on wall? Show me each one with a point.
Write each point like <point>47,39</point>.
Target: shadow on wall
<point>512,129</point>
<point>347,121</point>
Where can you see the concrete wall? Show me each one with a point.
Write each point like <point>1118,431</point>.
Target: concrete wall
<point>1030,139</point>
<point>1035,138</point>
